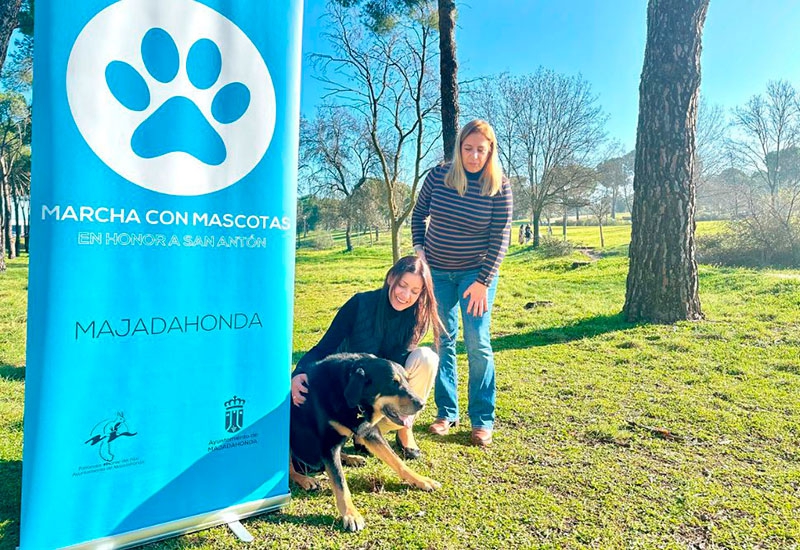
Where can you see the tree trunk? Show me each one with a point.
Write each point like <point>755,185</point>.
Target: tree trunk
<point>9,11</point>
<point>564,225</point>
<point>448,68</point>
<point>2,232</point>
<point>662,283</point>
<point>7,211</point>
<point>347,237</point>
<point>602,241</point>
<point>537,218</point>
<point>395,228</point>
<point>27,229</point>
<point>17,226</point>
<point>2,252</point>
<point>614,191</point>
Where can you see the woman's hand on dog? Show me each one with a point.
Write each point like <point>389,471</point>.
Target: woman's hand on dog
<point>299,389</point>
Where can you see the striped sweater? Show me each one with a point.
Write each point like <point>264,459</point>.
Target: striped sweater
<point>468,232</point>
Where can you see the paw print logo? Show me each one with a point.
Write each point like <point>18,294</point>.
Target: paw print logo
<point>179,102</point>
<point>178,124</point>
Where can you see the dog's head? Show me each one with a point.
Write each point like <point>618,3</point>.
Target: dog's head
<point>380,387</point>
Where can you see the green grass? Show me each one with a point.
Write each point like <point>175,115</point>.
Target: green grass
<point>609,435</point>
<point>13,303</point>
<point>613,235</point>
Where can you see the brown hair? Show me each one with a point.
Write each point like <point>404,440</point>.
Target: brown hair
<point>492,173</point>
<point>426,315</point>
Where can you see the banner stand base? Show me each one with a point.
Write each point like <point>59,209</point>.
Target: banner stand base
<point>240,531</point>
<point>188,525</point>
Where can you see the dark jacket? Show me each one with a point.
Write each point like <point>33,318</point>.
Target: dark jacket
<point>360,327</point>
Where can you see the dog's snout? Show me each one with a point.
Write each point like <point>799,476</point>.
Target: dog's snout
<point>409,401</point>
<point>414,403</point>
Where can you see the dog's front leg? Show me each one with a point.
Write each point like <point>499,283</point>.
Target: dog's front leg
<point>351,518</point>
<point>378,447</point>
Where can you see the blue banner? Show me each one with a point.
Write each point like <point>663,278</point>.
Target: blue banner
<point>162,261</point>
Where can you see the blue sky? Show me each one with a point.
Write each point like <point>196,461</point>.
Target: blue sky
<point>745,44</point>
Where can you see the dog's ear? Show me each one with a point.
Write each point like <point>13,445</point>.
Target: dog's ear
<point>352,393</point>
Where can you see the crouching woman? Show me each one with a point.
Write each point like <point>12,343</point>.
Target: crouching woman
<point>388,322</point>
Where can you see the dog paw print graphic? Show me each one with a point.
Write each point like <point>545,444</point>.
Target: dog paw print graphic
<point>172,96</point>
<point>177,124</point>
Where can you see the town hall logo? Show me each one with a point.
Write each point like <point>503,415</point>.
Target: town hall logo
<point>172,96</point>
<point>234,415</point>
<point>105,433</point>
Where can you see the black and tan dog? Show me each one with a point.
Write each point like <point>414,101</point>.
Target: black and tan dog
<point>349,394</point>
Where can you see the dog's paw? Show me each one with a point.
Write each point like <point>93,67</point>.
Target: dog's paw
<point>426,483</point>
<point>353,460</point>
<point>353,521</point>
<point>307,483</point>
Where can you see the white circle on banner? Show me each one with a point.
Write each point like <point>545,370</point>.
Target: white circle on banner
<point>167,133</point>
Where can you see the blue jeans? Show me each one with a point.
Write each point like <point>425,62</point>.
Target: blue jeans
<point>449,288</point>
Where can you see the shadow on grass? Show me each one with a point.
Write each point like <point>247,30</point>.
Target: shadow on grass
<point>519,251</point>
<point>10,372</point>
<point>619,250</point>
<point>310,520</point>
<point>585,328</point>
<point>457,436</point>
<point>607,252</point>
<point>337,254</point>
<point>10,496</point>
<point>16,266</point>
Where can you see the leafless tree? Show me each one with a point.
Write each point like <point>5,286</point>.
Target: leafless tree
<point>561,123</point>
<point>381,16</point>
<point>766,137</point>
<point>544,122</point>
<point>723,194</point>
<point>389,82</point>
<point>574,184</point>
<point>369,207</point>
<point>600,207</point>
<point>612,175</point>
<point>711,151</point>
<point>336,158</point>
<point>766,142</point>
<point>497,100</point>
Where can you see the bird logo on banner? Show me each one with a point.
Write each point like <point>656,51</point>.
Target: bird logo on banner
<point>105,432</point>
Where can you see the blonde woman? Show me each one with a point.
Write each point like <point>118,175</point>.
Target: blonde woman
<point>468,207</point>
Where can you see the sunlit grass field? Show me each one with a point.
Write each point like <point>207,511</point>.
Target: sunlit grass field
<point>609,435</point>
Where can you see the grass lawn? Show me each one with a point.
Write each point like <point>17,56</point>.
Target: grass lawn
<point>609,435</point>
